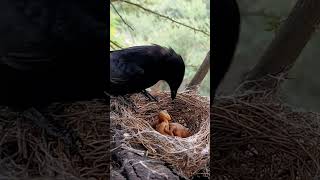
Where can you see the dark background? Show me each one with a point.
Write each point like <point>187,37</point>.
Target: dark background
<point>302,90</point>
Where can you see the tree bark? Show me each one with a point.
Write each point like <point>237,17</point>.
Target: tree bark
<point>201,73</point>
<point>289,41</point>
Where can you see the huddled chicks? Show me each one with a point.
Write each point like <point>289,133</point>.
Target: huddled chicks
<point>168,128</point>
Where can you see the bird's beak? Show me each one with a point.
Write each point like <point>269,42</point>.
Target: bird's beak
<point>173,94</point>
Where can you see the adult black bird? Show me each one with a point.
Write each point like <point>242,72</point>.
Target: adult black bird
<point>225,20</point>
<point>136,68</point>
<point>51,51</point>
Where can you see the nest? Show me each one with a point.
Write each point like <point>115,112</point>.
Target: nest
<point>24,154</point>
<point>256,136</point>
<point>188,155</point>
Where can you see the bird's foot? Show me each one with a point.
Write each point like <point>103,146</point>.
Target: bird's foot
<point>149,96</point>
<point>70,138</point>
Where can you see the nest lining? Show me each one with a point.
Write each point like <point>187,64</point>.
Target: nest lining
<point>187,155</point>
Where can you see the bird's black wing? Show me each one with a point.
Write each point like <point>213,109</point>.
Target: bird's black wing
<point>125,73</point>
<point>25,34</point>
<point>20,61</point>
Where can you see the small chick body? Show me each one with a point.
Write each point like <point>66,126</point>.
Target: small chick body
<point>172,129</point>
<point>163,123</point>
<point>179,130</point>
<point>163,128</point>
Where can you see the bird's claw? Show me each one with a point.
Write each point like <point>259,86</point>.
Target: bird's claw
<point>149,96</point>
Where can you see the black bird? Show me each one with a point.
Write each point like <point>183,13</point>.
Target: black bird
<point>51,51</point>
<point>225,19</point>
<point>136,68</point>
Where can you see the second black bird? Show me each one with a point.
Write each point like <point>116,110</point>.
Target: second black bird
<point>134,69</point>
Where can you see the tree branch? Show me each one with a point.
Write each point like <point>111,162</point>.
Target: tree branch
<point>115,44</point>
<point>166,17</point>
<point>201,73</point>
<point>121,16</point>
<point>290,40</point>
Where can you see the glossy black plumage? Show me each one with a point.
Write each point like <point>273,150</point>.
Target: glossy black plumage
<point>225,21</point>
<point>136,68</point>
<point>52,51</point>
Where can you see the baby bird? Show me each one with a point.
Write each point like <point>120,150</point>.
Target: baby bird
<point>178,130</point>
<point>173,129</point>
<point>163,123</point>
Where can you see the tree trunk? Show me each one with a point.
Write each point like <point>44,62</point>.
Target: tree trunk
<point>201,73</point>
<point>289,41</point>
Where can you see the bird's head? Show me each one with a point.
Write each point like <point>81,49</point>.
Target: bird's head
<point>174,71</point>
<point>164,116</point>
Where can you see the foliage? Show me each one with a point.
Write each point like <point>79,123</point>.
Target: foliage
<point>149,28</point>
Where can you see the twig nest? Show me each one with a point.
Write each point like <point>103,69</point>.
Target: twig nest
<point>188,109</point>
<point>258,137</point>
